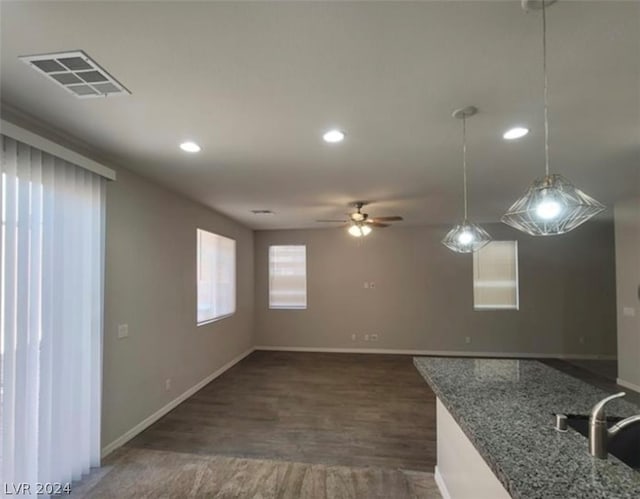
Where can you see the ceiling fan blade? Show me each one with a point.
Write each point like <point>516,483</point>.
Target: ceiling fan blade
<point>332,221</point>
<point>377,224</point>
<point>387,219</point>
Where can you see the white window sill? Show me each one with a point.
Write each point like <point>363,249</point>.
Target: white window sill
<point>215,319</point>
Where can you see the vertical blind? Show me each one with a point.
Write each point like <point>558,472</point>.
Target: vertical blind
<point>216,276</point>
<point>288,277</point>
<point>51,295</point>
<point>495,276</point>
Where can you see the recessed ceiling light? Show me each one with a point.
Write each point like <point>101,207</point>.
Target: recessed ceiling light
<point>515,133</point>
<point>190,147</point>
<point>333,136</point>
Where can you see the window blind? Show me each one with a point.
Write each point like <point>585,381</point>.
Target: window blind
<point>495,276</point>
<point>288,277</point>
<point>216,276</point>
<point>51,296</point>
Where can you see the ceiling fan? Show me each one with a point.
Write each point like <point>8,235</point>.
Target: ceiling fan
<point>360,223</point>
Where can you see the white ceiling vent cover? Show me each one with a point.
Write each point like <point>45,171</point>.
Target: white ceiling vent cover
<point>77,73</point>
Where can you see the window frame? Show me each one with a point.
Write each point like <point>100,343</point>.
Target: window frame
<point>494,308</point>
<point>306,287</point>
<point>234,278</point>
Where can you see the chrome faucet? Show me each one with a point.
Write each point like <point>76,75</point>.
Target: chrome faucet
<point>599,434</point>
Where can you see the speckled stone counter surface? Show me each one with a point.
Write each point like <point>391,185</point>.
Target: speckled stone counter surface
<point>506,407</point>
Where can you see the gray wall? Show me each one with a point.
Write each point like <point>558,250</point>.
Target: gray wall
<point>627,217</point>
<point>150,277</point>
<point>423,297</point>
<point>150,285</point>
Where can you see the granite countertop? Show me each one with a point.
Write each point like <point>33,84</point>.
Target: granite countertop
<point>506,407</point>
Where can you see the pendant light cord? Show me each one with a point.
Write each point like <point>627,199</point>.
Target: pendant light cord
<point>546,89</point>
<point>464,163</point>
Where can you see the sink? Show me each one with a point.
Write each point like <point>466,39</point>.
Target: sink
<point>625,445</point>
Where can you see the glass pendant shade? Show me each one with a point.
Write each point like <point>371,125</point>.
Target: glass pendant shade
<point>359,230</point>
<point>466,237</point>
<point>551,206</point>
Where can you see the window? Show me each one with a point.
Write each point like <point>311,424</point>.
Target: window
<point>288,277</point>
<point>495,276</point>
<point>216,276</point>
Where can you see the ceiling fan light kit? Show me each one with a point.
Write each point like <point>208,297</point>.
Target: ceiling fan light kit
<point>359,230</point>
<point>361,224</point>
<point>465,237</point>
<point>552,205</point>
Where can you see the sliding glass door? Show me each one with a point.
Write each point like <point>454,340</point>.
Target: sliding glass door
<point>51,298</point>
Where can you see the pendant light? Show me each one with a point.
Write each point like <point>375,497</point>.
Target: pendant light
<point>466,237</point>
<point>552,205</point>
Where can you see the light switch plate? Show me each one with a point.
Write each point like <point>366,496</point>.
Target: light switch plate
<point>628,311</point>
<point>123,330</point>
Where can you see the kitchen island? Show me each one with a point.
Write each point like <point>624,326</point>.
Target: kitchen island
<point>500,413</point>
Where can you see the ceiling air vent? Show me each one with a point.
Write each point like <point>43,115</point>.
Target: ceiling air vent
<point>77,73</point>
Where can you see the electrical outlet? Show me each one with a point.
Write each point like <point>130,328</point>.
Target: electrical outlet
<point>354,337</point>
<point>123,330</point>
<point>374,337</point>
<point>628,311</point>
<point>467,339</point>
<point>366,337</point>
<point>167,384</point>
<point>366,285</point>
<point>581,340</point>
<point>372,285</point>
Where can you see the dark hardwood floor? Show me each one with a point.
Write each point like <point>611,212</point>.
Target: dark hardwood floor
<point>600,377</point>
<point>604,368</point>
<point>335,409</point>
<point>319,408</point>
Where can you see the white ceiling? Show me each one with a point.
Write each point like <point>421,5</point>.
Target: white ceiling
<point>256,84</point>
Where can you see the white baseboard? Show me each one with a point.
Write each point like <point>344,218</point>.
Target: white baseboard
<point>144,424</point>
<point>628,384</point>
<point>443,353</point>
<point>590,356</point>
<point>442,487</point>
